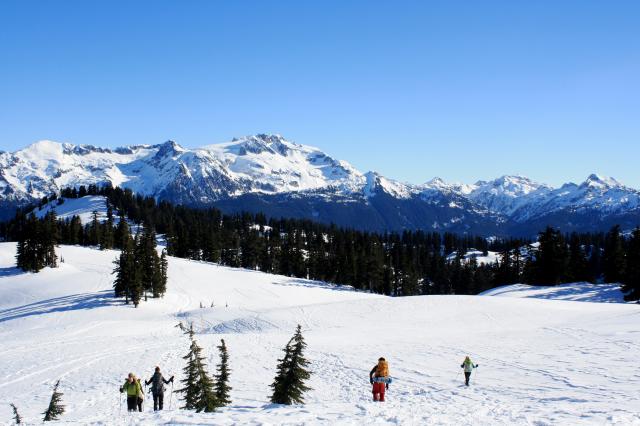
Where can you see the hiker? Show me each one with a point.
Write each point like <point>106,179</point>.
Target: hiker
<point>468,368</point>
<point>379,378</point>
<point>140,395</point>
<point>157,382</point>
<point>133,388</point>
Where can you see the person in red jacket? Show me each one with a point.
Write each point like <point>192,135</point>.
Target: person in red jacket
<point>379,378</point>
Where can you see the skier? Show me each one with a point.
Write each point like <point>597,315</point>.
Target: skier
<point>133,388</point>
<point>468,368</point>
<point>157,382</point>
<point>379,378</point>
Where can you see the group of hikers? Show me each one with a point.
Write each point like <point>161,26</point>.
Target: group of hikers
<point>379,376</point>
<point>135,393</point>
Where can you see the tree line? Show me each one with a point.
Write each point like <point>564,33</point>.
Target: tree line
<point>397,264</point>
<point>610,257</point>
<point>139,271</point>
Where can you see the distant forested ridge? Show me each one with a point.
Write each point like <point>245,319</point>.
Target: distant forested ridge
<point>397,264</point>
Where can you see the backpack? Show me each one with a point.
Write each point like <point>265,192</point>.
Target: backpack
<point>139,387</point>
<point>383,369</point>
<point>157,386</point>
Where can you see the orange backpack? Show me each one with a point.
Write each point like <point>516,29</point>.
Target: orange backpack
<point>383,369</point>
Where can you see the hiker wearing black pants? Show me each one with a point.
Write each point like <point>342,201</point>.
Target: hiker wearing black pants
<point>468,368</point>
<point>134,393</point>
<point>157,382</point>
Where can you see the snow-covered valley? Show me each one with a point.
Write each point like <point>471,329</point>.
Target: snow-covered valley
<point>541,360</point>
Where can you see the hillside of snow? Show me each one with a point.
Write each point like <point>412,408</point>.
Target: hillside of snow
<point>541,361</point>
<point>84,207</point>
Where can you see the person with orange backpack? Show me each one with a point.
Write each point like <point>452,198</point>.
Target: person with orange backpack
<point>379,378</point>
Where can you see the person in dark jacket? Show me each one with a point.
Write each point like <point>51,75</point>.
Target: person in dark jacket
<point>157,382</point>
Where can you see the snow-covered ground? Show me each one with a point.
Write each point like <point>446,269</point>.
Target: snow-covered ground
<point>542,362</point>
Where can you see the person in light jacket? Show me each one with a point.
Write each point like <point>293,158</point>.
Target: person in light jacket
<point>468,367</point>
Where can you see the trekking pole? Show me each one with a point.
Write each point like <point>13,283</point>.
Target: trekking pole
<point>171,396</point>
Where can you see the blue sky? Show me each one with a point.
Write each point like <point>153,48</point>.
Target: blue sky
<point>461,90</point>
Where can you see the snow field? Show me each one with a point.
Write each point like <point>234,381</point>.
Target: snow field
<point>541,361</point>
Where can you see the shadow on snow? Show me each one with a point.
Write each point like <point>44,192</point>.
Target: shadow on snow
<point>61,304</point>
<point>11,271</point>
<point>579,293</point>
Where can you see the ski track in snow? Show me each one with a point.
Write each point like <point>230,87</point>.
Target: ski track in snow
<point>542,362</point>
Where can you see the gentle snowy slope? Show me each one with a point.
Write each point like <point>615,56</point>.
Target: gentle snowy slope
<point>541,361</point>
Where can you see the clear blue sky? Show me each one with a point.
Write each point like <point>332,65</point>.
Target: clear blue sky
<point>461,90</point>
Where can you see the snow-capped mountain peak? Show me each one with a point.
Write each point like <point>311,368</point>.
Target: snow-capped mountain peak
<point>510,185</point>
<point>375,182</point>
<point>256,167</point>
<point>601,182</point>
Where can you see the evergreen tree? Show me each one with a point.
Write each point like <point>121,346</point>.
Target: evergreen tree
<point>75,231</point>
<point>164,267</point>
<point>125,270</point>
<point>222,377</point>
<point>198,390</point>
<point>190,332</point>
<point>288,385</point>
<point>122,233</point>
<point>207,401</point>
<point>37,239</point>
<point>22,260</point>
<point>551,259</point>
<point>55,409</point>
<point>578,267</point>
<point>94,229</point>
<point>631,282</point>
<point>107,234</point>
<point>190,371</point>
<point>613,256</point>
<point>49,239</point>
<point>16,415</point>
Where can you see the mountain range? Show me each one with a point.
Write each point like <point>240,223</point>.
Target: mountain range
<point>267,173</point>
